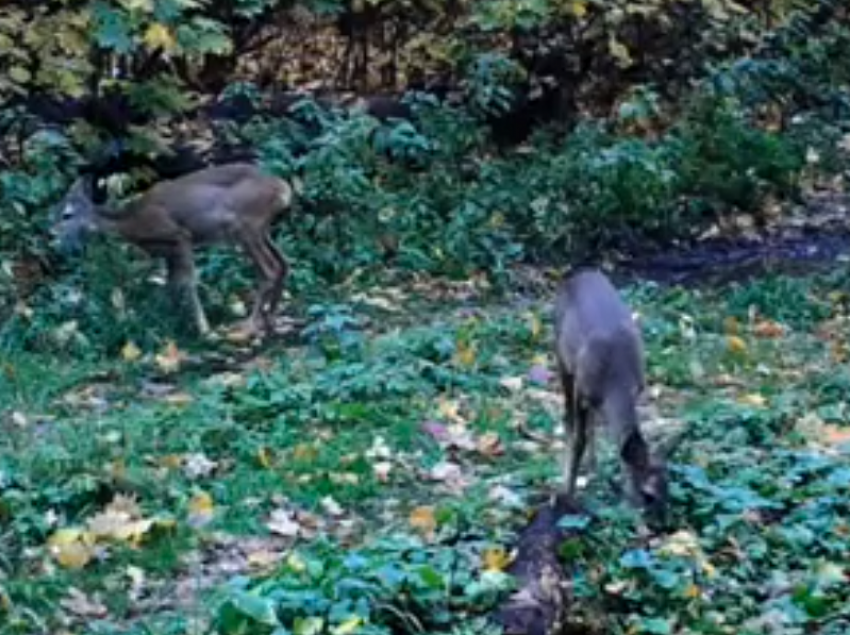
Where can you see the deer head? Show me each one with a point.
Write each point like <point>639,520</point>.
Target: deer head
<point>76,217</point>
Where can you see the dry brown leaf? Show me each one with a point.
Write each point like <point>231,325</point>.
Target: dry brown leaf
<point>283,523</point>
<point>82,605</point>
<point>489,444</point>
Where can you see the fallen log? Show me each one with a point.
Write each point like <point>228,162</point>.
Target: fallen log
<point>541,602</point>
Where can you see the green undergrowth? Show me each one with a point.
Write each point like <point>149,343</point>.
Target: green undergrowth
<point>369,474</point>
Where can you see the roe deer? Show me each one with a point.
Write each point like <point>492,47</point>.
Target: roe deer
<point>599,352</point>
<point>233,203</point>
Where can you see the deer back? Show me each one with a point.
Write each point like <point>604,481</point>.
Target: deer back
<point>597,341</point>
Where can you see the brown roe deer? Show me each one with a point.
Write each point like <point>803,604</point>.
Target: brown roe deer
<point>233,204</point>
<point>599,353</point>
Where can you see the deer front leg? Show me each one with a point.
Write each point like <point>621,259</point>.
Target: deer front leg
<point>272,269</point>
<point>182,282</point>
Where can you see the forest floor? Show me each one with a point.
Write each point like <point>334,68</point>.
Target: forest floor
<point>369,473</point>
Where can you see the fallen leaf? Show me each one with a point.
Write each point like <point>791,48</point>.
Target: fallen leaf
<point>283,523</point>
<point>264,457</point>
<point>465,354</point>
<point>179,398</point>
<point>201,509</point>
<point>489,444</point>
<point>752,399</point>
<point>422,518</point>
<point>730,325</point>
<point>835,435</point>
<point>382,471</point>
<point>82,605</point>
<point>348,626</point>
<point>514,384</point>
<point>130,352</point>
<point>305,452</point>
<point>535,325</point>
<point>496,559</point>
<point>263,559</point>
<point>72,548</point>
<point>169,359</point>
<point>436,430</point>
<point>198,465</point>
<point>736,344</point>
<point>450,410</point>
<point>331,506</point>
<point>539,374</point>
<point>768,328</point>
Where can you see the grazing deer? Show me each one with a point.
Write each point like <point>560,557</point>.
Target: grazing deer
<point>599,352</point>
<point>234,203</point>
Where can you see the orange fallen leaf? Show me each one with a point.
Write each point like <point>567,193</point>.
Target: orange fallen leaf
<point>736,344</point>
<point>422,518</point>
<point>169,359</point>
<point>836,435</point>
<point>768,328</point>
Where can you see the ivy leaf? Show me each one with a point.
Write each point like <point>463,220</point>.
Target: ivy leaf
<point>112,30</point>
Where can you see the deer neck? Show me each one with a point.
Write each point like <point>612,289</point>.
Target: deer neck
<point>111,218</point>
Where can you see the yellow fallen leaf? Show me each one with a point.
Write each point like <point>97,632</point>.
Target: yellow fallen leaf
<point>72,548</point>
<point>752,399</point>
<point>130,352</point>
<point>730,325</point>
<point>423,519</point>
<point>170,461</point>
<point>465,353</point>
<point>496,559</point>
<point>201,509</point>
<point>449,409</point>
<point>348,626</point>
<point>264,457</point>
<point>736,344</point>
<point>692,592</point>
<point>535,324</point>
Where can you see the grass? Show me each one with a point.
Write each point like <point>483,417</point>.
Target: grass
<point>299,491</point>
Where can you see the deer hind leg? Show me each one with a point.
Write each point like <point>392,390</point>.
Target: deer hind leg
<point>272,269</point>
<point>576,416</point>
<point>183,284</point>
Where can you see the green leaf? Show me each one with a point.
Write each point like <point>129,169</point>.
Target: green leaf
<point>112,31</point>
<point>259,609</point>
